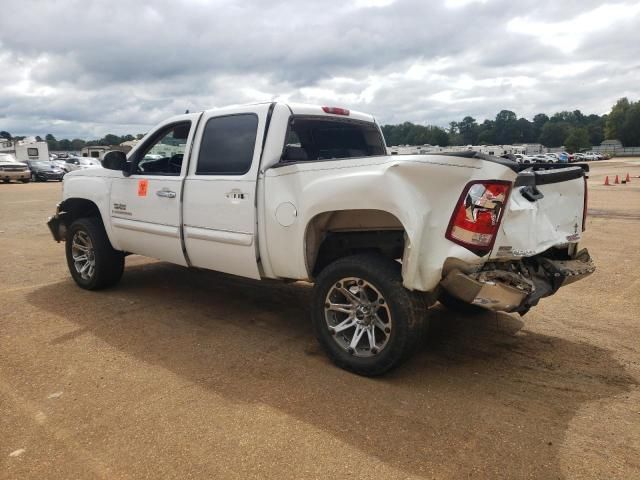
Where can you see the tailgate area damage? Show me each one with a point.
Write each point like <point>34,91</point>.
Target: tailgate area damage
<point>517,285</point>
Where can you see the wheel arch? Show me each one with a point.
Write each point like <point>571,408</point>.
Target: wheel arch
<point>73,208</point>
<point>334,234</point>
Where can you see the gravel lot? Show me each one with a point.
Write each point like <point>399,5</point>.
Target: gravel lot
<point>188,374</point>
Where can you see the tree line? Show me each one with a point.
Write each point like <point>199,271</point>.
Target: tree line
<point>66,145</point>
<point>573,130</point>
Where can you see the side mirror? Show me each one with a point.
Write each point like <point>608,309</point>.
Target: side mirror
<point>115,160</point>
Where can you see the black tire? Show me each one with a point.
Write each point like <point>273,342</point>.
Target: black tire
<point>25,180</point>
<point>109,263</point>
<point>459,306</point>
<point>407,310</point>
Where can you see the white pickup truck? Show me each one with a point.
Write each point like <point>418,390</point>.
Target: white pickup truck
<point>299,192</point>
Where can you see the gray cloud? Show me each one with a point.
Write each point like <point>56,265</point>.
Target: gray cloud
<point>82,69</point>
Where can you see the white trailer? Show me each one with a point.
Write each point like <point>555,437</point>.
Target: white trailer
<point>25,150</point>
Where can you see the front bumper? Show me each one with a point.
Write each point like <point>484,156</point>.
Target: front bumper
<point>515,286</point>
<point>19,175</point>
<point>57,226</point>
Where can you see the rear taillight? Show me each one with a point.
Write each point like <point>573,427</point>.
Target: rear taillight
<point>336,111</point>
<point>476,218</point>
<point>584,208</point>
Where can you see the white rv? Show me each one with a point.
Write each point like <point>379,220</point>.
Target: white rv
<point>28,149</point>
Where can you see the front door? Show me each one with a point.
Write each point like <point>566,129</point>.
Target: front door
<point>145,207</point>
<point>220,191</point>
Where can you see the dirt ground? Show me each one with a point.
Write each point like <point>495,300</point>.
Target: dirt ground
<point>188,374</point>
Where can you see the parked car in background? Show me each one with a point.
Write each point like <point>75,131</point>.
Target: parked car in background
<point>81,163</point>
<point>596,155</point>
<point>42,171</point>
<point>541,158</point>
<point>60,163</point>
<point>11,169</point>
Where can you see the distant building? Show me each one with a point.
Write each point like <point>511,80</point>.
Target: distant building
<point>533,148</point>
<point>130,143</point>
<point>611,144</point>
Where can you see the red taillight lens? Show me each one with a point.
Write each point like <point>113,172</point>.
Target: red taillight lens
<point>476,219</point>
<point>336,111</point>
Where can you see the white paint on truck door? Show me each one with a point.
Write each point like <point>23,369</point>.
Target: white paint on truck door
<point>145,207</point>
<point>219,198</point>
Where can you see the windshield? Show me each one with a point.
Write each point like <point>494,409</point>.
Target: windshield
<point>321,138</point>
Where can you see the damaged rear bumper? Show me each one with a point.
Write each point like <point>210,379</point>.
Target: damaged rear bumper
<point>515,286</point>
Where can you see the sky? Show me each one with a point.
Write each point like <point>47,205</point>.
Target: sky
<point>82,69</point>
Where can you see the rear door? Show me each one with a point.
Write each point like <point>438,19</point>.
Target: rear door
<point>220,229</point>
<point>545,209</point>
<point>145,207</point>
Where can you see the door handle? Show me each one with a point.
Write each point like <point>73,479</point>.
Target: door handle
<point>166,193</point>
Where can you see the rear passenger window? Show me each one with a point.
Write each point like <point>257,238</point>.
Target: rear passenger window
<point>227,145</point>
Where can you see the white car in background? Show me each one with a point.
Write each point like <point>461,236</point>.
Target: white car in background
<point>81,163</point>
<point>540,158</point>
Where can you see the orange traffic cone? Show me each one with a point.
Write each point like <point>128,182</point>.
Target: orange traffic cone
<point>628,179</point>
<point>606,180</point>
<point>617,180</point>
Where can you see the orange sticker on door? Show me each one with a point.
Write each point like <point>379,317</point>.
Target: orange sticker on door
<point>142,187</point>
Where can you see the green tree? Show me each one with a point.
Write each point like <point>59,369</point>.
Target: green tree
<point>64,145</point>
<point>616,119</point>
<point>486,133</point>
<point>110,139</point>
<point>51,141</point>
<point>468,129</point>
<point>577,139</point>
<point>538,123</point>
<point>524,131</point>
<point>506,127</point>
<point>553,134</point>
<point>630,136</point>
<point>77,144</point>
<point>6,135</point>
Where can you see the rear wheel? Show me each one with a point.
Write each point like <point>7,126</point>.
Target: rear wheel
<point>92,261</point>
<point>25,180</point>
<point>363,317</point>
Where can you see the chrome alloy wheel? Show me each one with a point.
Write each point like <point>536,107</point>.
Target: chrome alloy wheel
<point>358,317</point>
<point>84,259</point>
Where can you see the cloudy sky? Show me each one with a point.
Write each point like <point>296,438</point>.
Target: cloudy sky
<point>83,68</point>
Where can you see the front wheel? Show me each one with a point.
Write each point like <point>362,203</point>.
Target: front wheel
<point>363,317</point>
<point>92,261</point>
